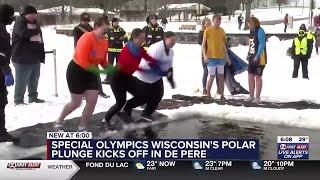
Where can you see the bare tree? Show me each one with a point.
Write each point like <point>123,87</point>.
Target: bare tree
<point>280,3</point>
<point>248,4</point>
<point>62,10</point>
<point>232,6</point>
<point>71,11</point>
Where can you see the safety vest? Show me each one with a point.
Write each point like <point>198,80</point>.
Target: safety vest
<point>153,34</point>
<point>116,37</point>
<point>311,36</point>
<point>154,29</point>
<point>301,46</point>
<point>114,50</point>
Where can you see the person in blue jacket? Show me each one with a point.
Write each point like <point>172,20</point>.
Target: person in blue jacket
<point>257,57</point>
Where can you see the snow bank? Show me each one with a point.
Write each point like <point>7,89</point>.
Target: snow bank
<point>288,117</point>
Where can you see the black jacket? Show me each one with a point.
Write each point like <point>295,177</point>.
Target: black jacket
<point>200,37</point>
<point>164,21</point>
<point>154,34</point>
<point>79,30</point>
<point>116,37</point>
<point>240,19</point>
<point>24,50</point>
<point>5,50</point>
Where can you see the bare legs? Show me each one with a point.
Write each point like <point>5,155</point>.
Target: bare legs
<point>220,87</point>
<point>90,96</point>
<point>209,85</point>
<point>76,100</point>
<point>255,85</point>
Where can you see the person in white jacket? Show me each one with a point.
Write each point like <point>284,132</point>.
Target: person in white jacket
<point>149,77</point>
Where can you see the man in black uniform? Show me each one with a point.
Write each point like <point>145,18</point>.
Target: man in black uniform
<point>82,28</point>
<point>116,36</point>
<point>154,32</point>
<point>78,31</point>
<point>6,77</point>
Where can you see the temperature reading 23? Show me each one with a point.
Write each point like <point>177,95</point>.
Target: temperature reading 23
<point>217,165</point>
<point>151,163</point>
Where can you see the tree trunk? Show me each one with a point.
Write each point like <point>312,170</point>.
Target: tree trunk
<point>63,14</point>
<point>145,5</point>
<point>70,12</point>
<point>248,13</point>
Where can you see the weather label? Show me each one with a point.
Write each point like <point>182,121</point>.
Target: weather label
<point>153,165</point>
<point>293,147</point>
<point>211,165</point>
<point>271,165</point>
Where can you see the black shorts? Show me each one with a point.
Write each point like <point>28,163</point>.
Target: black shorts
<point>80,80</point>
<point>256,69</point>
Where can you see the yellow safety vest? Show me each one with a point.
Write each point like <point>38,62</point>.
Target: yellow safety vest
<point>154,29</point>
<point>310,36</point>
<point>114,50</point>
<point>301,46</point>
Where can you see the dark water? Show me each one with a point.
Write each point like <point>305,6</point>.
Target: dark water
<point>206,128</point>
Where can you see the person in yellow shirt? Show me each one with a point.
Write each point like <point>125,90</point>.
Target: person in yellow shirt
<point>215,54</point>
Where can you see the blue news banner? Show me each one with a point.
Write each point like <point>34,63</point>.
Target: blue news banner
<point>165,149</point>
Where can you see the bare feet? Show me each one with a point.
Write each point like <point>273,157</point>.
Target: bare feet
<point>205,92</point>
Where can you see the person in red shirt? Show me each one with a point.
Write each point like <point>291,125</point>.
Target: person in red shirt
<point>122,80</point>
<point>82,74</point>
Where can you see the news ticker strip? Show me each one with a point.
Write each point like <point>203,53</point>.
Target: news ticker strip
<point>48,169</point>
<point>173,149</point>
<point>196,165</point>
<point>81,146</point>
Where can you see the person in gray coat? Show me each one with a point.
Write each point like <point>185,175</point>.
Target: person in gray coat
<point>27,55</point>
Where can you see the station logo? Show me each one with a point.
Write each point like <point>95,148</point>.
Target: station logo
<point>23,165</point>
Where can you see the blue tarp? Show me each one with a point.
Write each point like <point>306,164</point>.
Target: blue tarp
<point>239,64</point>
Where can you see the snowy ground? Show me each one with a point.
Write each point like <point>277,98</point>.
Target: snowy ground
<point>278,86</point>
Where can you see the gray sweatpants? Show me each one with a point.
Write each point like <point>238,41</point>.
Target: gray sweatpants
<point>26,75</point>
